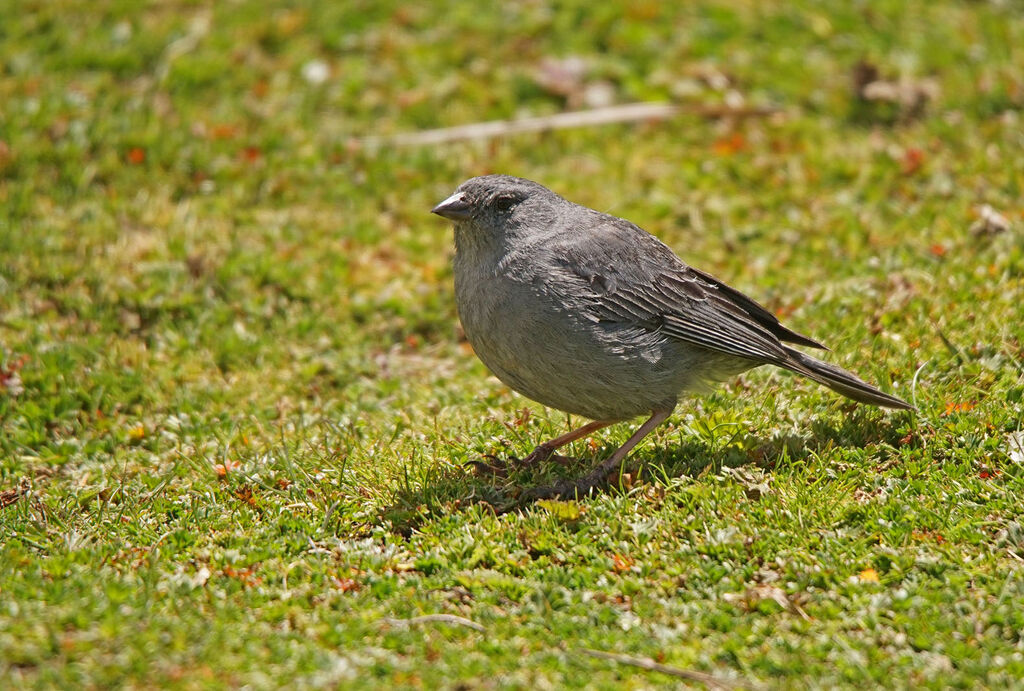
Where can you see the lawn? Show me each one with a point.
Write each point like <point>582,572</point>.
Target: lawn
<point>238,417</point>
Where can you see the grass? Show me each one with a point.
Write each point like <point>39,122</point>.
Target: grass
<point>235,407</point>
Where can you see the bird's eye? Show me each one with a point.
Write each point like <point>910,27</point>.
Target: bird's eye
<point>504,202</point>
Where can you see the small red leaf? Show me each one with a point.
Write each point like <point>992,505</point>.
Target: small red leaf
<point>913,159</point>
<point>952,407</point>
<point>225,468</point>
<point>622,563</point>
<point>726,146</point>
<point>223,131</point>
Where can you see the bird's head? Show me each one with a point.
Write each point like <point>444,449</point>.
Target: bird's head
<point>498,205</point>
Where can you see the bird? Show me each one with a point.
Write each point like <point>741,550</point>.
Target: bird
<point>590,314</point>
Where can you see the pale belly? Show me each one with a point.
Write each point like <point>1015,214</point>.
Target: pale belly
<point>559,357</point>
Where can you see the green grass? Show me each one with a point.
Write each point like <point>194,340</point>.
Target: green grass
<point>236,411</point>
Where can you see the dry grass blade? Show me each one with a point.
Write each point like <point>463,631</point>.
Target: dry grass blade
<point>631,112</point>
<point>649,664</point>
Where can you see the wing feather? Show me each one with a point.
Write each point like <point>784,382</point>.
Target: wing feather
<point>629,275</point>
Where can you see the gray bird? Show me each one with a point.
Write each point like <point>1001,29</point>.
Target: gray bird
<point>590,314</point>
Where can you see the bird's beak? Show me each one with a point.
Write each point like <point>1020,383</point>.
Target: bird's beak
<point>455,207</point>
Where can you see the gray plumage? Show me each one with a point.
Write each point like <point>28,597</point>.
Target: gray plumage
<point>590,314</point>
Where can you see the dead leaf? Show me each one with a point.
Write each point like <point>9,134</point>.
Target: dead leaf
<point>223,131</point>
<point>913,159</point>
<point>245,494</point>
<point>958,407</point>
<point>136,156</point>
<point>225,468</point>
<point>1015,446</point>
<point>749,599</point>
<point>521,419</point>
<point>990,222</point>
<point>244,576</point>
<point>909,94</point>
<point>196,264</point>
<point>726,146</point>
<point>11,383</point>
<point>562,77</point>
<point>10,380</point>
<point>251,154</point>
<point>567,78</point>
<point>10,496</point>
<point>347,585</point>
<point>711,75</point>
<point>622,563</point>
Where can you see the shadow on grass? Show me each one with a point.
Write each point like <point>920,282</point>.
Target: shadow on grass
<point>453,488</point>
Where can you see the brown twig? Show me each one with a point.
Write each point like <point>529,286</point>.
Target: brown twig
<point>630,112</point>
<point>649,664</point>
<point>443,618</point>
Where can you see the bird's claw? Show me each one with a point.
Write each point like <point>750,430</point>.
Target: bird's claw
<point>542,453</point>
<point>489,465</point>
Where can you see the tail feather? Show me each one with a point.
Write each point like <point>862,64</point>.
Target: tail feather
<point>841,381</point>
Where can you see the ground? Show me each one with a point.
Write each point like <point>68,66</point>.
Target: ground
<point>238,417</point>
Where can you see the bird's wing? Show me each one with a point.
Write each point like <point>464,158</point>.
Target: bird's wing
<point>757,312</point>
<point>629,275</point>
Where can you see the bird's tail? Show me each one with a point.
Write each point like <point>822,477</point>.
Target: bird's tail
<point>841,381</point>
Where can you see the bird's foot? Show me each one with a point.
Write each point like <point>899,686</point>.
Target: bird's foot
<point>572,489</point>
<point>567,489</point>
<point>489,464</point>
<point>542,453</point>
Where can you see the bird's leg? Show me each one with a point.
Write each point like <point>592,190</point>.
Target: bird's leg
<point>543,451</point>
<point>595,476</point>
